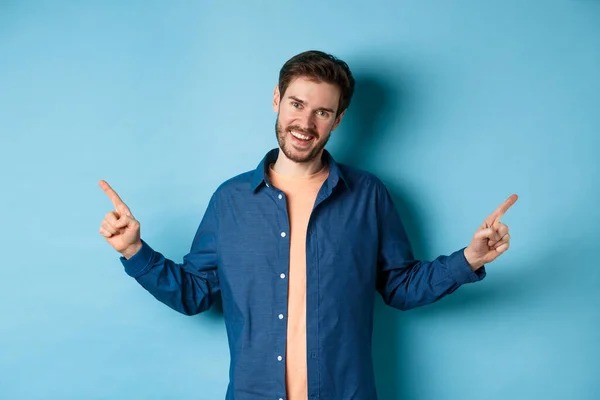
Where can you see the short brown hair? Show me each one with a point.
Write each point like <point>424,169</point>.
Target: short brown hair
<point>321,67</point>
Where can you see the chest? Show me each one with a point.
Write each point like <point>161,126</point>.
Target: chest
<point>341,237</point>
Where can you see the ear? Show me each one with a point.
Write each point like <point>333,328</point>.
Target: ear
<point>338,120</point>
<point>276,98</point>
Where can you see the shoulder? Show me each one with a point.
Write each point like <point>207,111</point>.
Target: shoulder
<point>234,186</point>
<point>240,181</point>
<point>360,178</point>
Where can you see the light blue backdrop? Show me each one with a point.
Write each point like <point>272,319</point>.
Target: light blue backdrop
<point>458,105</point>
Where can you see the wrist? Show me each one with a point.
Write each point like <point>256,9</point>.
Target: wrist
<point>473,262</point>
<point>132,250</point>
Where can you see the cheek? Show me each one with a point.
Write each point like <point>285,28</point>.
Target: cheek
<point>324,127</point>
<point>285,116</point>
<point>284,122</point>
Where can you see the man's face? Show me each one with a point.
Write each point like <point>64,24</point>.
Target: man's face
<point>306,116</point>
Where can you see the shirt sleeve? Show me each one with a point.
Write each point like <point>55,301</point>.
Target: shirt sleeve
<point>190,287</point>
<point>404,282</point>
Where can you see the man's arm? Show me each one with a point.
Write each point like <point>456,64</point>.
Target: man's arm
<point>404,282</point>
<point>189,287</point>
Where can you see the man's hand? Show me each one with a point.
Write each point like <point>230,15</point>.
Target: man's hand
<point>120,229</point>
<point>491,239</point>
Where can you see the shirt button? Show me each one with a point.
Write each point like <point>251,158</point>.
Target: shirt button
<point>280,316</point>
<point>282,276</point>
<point>279,358</point>
<point>282,234</point>
<point>280,197</point>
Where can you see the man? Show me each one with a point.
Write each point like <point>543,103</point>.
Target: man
<point>297,249</point>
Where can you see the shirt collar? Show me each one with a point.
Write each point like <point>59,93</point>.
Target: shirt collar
<point>260,176</point>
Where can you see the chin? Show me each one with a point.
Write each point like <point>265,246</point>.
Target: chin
<point>299,156</point>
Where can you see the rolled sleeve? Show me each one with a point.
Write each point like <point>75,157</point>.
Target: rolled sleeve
<point>460,269</point>
<point>141,261</point>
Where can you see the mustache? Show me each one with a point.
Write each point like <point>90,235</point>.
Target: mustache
<point>307,132</point>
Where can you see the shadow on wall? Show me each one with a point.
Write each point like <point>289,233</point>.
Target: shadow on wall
<point>377,99</point>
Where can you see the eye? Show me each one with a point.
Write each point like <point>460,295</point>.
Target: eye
<point>323,114</point>
<point>295,104</point>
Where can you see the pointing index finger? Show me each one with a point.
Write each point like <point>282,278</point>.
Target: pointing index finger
<point>120,206</point>
<point>499,212</point>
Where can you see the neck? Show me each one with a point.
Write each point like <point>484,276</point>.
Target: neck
<point>292,169</point>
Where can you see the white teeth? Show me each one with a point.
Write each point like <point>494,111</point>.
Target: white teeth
<point>300,136</point>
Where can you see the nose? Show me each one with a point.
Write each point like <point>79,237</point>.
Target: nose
<point>307,121</point>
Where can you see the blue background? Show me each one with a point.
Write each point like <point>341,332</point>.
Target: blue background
<point>458,105</point>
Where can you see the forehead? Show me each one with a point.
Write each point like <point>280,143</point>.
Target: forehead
<point>314,93</point>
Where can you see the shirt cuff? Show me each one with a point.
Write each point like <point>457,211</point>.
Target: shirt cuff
<point>141,261</point>
<point>461,270</point>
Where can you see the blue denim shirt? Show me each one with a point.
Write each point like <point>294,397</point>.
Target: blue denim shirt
<point>355,246</point>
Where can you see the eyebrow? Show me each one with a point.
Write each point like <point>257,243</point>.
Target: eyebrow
<point>318,109</point>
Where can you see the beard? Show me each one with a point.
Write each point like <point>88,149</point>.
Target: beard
<point>299,156</point>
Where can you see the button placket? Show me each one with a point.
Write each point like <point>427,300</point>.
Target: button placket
<point>282,209</point>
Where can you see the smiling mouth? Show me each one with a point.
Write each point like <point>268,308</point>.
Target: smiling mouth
<point>301,136</point>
